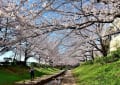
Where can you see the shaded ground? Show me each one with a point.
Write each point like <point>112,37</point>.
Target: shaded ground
<point>11,74</point>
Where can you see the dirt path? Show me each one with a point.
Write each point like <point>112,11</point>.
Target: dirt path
<point>68,79</point>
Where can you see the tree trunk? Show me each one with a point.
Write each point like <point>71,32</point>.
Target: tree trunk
<point>25,59</point>
<point>92,56</point>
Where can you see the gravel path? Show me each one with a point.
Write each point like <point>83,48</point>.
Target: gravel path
<point>68,79</point>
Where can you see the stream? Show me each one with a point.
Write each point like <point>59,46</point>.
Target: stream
<point>56,81</point>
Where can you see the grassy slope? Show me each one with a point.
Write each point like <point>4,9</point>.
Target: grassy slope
<point>96,74</point>
<point>8,75</point>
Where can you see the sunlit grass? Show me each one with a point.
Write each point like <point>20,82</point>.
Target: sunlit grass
<point>96,74</point>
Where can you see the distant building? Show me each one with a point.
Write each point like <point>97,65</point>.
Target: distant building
<point>115,39</point>
<point>115,43</point>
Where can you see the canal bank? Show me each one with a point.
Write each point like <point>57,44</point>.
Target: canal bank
<point>61,78</point>
<point>41,80</point>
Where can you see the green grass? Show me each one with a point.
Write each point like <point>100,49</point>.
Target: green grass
<point>9,75</point>
<point>47,71</point>
<point>97,74</point>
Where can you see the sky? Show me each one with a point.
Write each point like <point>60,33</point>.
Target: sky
<point>11,54</point>
<point>7,54</point>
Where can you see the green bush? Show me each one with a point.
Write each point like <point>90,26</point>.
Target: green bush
<point>100,60</point>
<point>88,62</point>
<point>111,57</point>
<point>34,64</point>
<point>116,54</point>
<point>107,59</point>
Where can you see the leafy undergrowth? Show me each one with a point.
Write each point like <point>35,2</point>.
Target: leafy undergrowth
<point>9,75</point>
<point>97,74</point>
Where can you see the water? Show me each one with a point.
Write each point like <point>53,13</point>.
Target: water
<point>56,81</point>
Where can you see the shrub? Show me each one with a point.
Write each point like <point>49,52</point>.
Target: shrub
<point>100,60</point>
<point>112,57</point>
<point>116,54</point>
<point>34,64</point>
<point>88,62</point>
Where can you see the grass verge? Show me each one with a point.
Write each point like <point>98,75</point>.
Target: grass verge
<point>97,74</point>
<point>11,74</point>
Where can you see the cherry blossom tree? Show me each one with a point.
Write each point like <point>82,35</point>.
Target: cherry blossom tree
<point>22,20</point>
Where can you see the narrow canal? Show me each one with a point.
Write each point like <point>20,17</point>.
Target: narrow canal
<point>66,79</point>
<point>56,81</point>
<point>62,78</point>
